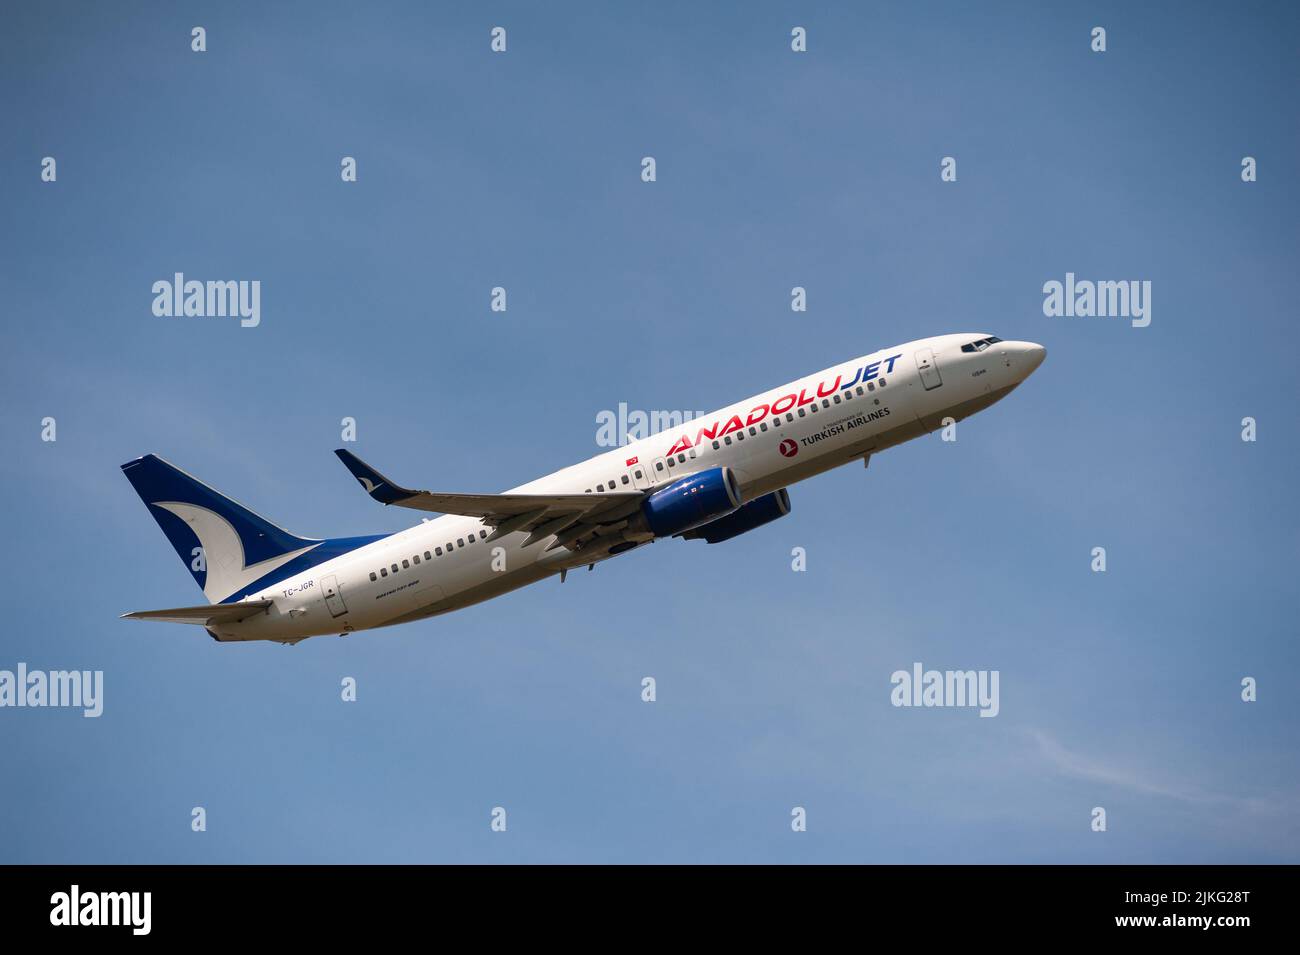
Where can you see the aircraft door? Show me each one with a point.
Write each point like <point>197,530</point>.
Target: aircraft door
<point>658,471</point>
<point>333,596</point>
<point>640,476</point>
<point>925,364</point>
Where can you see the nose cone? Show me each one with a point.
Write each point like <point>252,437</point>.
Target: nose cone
<point>1034,356</point>
<point>1026,357</point>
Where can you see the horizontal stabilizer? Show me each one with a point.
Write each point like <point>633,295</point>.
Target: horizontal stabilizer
<point>205,615</point>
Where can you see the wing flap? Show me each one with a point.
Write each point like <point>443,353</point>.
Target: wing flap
<point>202,615</point>
<point>496,508</point>
<point>493,508</point>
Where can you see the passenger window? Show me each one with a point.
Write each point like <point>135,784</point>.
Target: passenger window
<point>638,472</point>
<point>394,568</point>
<point>428,556</point>
<point>882,382</point>
<point>762,426</point>
<point>789,417</point>
<point>482,535</point>
<point>406,565</point>
<point>871,386</point>
<point>449,547</point>
<point>438,551</point>
<point>372,576</point>
<point>600,487</point>
<point>681,459</point>
<point>624,479</point>
<point>859,391</point>
<point>415,559</point>
<point>383,571</point>
<point>753,433</point>
<point>727,439</point>
<point>672,462</point>
<point>813,407</point>
<point>692,452</point>
<point>802,413</point>
<point>835,398</point>
<point>825,403</point>
<point>659,465</point>
<point>460,542</point>
<point>716,445</point>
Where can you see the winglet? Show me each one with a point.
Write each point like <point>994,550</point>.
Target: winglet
<point>377,486</point>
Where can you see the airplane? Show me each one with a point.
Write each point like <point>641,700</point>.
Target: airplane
<point>712,479</point>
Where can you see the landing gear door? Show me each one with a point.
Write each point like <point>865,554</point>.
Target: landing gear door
<point>333,597</point>
<point>928,369</point>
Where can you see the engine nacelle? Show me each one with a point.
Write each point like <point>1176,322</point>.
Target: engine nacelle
<point>690,502</point>
<point>756,513</point>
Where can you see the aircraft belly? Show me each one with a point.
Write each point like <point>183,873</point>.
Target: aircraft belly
<point>933,420</point>
<point>495,586</point>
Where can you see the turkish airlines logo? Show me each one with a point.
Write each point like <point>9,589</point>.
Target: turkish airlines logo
<point>788,448</point>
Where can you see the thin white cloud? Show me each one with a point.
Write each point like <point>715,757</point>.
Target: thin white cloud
<point>1080,766</point>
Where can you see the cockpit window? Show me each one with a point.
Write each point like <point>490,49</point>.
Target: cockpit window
<point>980,345</point>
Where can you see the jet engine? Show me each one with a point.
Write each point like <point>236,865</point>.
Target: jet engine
<point>694,500</point>
<point>756,513</point>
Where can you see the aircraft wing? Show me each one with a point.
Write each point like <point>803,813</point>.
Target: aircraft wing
<point>551,513</point>
<point>202,615</point>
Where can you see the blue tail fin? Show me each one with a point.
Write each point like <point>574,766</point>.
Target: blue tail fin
<point>225,545</point>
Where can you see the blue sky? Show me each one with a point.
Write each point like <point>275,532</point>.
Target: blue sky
<point>775,169</point>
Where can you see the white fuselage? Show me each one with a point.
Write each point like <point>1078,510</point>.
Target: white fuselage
<point>843,413</point>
